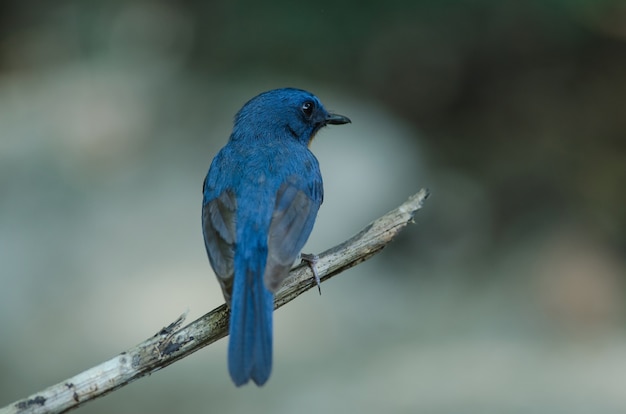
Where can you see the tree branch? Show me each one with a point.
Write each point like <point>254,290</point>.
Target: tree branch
<point>173,342</point>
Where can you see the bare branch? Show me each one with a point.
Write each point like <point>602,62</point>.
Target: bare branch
<point>173,342</point>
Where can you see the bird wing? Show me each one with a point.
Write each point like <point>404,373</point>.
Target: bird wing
<point>292,221</point>
<point>218,223</point>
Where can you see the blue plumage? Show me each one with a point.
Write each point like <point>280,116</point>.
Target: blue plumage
<point>260,199</point>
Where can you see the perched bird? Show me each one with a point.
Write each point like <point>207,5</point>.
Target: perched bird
<point>260,200</point>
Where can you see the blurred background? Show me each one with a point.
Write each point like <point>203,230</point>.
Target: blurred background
<point>507,296</point>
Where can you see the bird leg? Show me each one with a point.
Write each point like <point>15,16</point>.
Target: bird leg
<point>312,259</point>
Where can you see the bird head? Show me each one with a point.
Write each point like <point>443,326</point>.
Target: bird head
<point>286,112</point>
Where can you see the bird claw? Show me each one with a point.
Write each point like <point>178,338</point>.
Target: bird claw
<point>312,259</point>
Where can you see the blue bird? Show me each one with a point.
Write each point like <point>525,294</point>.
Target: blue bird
<point>260,200</point>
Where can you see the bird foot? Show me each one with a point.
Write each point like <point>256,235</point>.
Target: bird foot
<point>312,259</point>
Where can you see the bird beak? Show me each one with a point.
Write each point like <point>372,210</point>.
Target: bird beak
<point>335,119</point>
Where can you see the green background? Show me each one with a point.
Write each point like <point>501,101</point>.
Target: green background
<point>508,296</point>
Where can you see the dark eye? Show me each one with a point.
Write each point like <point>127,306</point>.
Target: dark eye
<point>307,108</point>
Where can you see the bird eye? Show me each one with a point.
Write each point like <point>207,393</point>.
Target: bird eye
<point>307,108</point>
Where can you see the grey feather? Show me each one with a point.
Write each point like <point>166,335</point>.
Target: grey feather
<point>292,222</point>
<point>218,220</point>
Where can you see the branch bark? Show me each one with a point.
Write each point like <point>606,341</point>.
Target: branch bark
<point>173,342</point>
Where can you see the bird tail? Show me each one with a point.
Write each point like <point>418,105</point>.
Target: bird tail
<point>252,305</point>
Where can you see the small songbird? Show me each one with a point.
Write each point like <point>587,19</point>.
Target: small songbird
<point>260,200</point>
